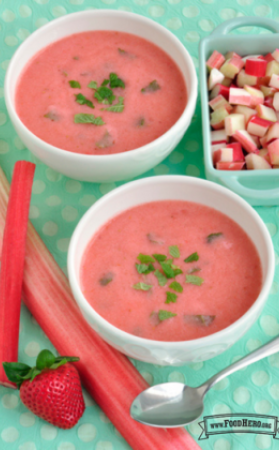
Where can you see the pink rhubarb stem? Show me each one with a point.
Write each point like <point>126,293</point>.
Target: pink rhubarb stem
<point>12,263</point>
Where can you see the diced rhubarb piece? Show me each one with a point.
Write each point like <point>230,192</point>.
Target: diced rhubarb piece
<point>230,166</point>
<point>218,136</point>
<point>109,376</point>
<point>272,68</point>
<point>234,122</point>
<point>247,141</point>
<point>215,61</point>
<point>264,154</point>
<point>224,154</point>
<point>219,89</point>
<point>263,81</point>
<point>254,161</point>
<point>263,141</point>
<point>215,77</point>
<point>272,134</point>
<point>232,67</point>
<point>219,102</point>
<point>266,113</point>
<point>268,57</point>
<point>258,126</point>
<point>268,101</point>
<point>230,55</point>
<point>226,82</point>
<point>244,58</point>
<point>274,81</point>
<point>215,147</point>
<point>12,264</point>
<point>268,91</point>
<point>257,96</point>
<point>237,151</point>
<point>247,112</point>
<point>242,79</point>
<point>255,67</point>
<point>217,120</point>
<point>275,54</point>
<point>239,97</point>
<point>273,151</point>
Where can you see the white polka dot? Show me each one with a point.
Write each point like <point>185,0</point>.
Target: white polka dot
<point>52,175</point>
<point>41,22</point>
<point>272,228</point>
<point>66,446</point>
<point>263,441</point>
<point>32,349</point>
<point>241,395</point>
<point>274,391</point>
<point>274,288</point>
<point>73,186</point>
<point>148,377</point>
<point>58,11</point>
<point>5,64</point>
<point>8,15</point>
<point>221,385</point>
<point>34,212</point>
<point>48,432</point>
<point>25,11</point>
<point>192,36</point>
<point>38,187</point>
<point>221,408</point>
<point>191,146</point>
<point>4,147</point>
<point>262,10</point>
<point>176,158</point>
<point>3,118</point>
<point>106,187</point>
<point>50,228</point>
<point>87,432</point>
<point>11,41</point>
<point>27,446</point>
<point>206,25</point>
<point>18,143</point>
<point>274,360</point>
<point>174,23</point>
<point>63,244</point>
<point>88,400</point>
<point>10,434</point>
<point>104,418</point>
<point>53,200</point>
<point>27,419</point>
<point>269,325</point>
<point>87,200</point>
<point>194,428</point>
<point>222,444</point>
<point>263,407</point>
<point>162,169</point>
<point>260,378</point>
<point>104,445</point>
<point>253,344</point>
<point>190,11</point>
<point>22,34</point>
<point>228,13</point>
<point>156,11</point>
<point>69,213</point>
<point>192,170</point>
<point>10,401</point>
<point>176,376</point>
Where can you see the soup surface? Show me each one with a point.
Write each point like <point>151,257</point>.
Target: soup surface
<point>171,271</point>
<point>100,92</point>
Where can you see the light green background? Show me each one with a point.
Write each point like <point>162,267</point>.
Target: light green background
<point>58,203</point>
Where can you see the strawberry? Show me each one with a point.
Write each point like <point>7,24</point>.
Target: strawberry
<point>51,389</point>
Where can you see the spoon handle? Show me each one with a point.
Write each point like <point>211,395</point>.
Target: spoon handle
<point>266,350</point>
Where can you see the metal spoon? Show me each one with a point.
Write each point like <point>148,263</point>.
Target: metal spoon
<point>170,405</point>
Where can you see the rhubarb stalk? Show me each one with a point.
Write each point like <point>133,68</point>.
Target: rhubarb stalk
<point>108,375</point>
<point>12,263</point>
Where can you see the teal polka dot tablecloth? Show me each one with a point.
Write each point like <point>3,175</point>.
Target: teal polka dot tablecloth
<point>58,203</point>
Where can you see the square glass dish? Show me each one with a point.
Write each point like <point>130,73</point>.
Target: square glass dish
<point>258,187</point>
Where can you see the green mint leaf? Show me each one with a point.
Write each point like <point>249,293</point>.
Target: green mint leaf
<point>142,286</point>
<point>118,107</point>
<point>93,85</point>
<point>45,359</point>
<point>115,81</point>
<point>167,269</point>
<point>176,286</point>
<point>199,319</point>
<point>192,257</point>
<point>105,82</point>
<point>177,272</point>
<point>162,280</point>
<point>83,100</point>
<point>174,251</point>
<point>163,315</point>
<point>194,269</point>
<point>106,279</point>
<point>74,84</point>
<point>171,297</point>
<point>152,87</point>
<point>159,257</point>
<point>104,95</point>
<point>211,237</point>
<point>193,279</point>
<point>145,258</point>
<point>105,141</point>
<point>88,118</point>
<point>145,268</point>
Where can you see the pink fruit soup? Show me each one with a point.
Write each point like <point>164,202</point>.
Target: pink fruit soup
<point>171,271</point>
<point>100,92</point>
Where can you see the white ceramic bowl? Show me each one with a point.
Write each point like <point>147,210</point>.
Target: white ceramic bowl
<point>171,188</point>
<point>103,168</point>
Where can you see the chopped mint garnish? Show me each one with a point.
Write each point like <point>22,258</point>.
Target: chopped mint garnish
<point>192,257</point>
<point>159,257</point>
<point>104,95</point>
<point>200,319</point>
<point>171,297</point>
<point>213,236</point>
<point>162,280</point>
<point>174,251</point>
<point>142,286</point>
<point>105,82</point>
<point>145,268</point>
<point>193,279</point>
<point>167,269</point>
<point>88,118</point>
<point>194,269</point>
<point>118,107</point>
<point>106,279</point>
<point>163,315</point>
<point>152,87</point>
<point>74,84</point>
<point>92,85</point>
<point>115,81</point>
<point>83,100</point>
<point>176,286</point>
<point>177,272</point>
<point>145,258</point>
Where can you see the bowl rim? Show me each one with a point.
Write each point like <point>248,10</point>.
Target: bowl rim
<point>55,151</point>
<point>169,345</point>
